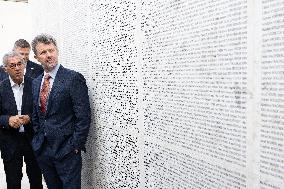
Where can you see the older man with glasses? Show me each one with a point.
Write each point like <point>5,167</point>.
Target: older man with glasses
<point>16,130</point>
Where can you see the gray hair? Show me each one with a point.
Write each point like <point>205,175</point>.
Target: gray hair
<point>43,38</point>
<point>12,55</point>
<point>21,43</point>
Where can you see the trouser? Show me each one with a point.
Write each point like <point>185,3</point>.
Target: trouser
<point>13,167</point>
<point>64,173</point>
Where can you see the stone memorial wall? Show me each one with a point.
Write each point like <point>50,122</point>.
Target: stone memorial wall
<point>184,93</point>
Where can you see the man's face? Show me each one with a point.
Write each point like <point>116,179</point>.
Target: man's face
<point>15,68</point>
<point>47,55</point>
<point>24,52</point>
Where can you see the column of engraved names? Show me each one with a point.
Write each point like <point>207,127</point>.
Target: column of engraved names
<point>194,73</point>
<point>169,168</point>
<point>272,92</point>
<point>115,93</point>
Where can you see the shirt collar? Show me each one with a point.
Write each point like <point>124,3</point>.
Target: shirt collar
<point>13,84</point>
<point>53,72</point>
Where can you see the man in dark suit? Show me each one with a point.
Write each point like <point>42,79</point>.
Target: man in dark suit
<point>32,69</point>
<point>61,117</point>
<point>16,130</point>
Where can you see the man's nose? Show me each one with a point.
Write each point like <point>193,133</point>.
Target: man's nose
<point>18,66</point>
<point>48,53</point>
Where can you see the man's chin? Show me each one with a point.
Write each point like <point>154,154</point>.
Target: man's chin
<point>18,80</point>
<point>50,67</point>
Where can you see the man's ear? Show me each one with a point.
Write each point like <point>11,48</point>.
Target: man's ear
<point>4,68</point>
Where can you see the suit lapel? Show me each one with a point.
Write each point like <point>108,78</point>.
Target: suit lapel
<point>56,86</point>
<point>11,97</point>
<point>29,70</point>
<point>36,89</point>
<point>28,67</point>
<point>26,98</point>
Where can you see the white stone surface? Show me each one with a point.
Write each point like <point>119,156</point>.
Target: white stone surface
<point>11,13</point>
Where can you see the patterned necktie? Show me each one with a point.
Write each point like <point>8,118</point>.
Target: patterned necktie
<point>44,93</point>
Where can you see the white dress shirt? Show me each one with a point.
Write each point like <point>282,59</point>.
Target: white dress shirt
<point>18,94</point>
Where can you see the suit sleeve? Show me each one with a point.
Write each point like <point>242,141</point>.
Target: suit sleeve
<point>82,111</point>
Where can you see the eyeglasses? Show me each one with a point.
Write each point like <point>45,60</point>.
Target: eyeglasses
<point>13,66</point>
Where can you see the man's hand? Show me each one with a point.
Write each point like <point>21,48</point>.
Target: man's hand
<point>18,120</point>
<point>25,119</point>
<point>15,121</point>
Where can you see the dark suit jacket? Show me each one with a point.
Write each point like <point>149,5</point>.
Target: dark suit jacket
<point>33,70</point>
<point>66,122</point>
<point>8,107</point>
<point>3,74</point>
